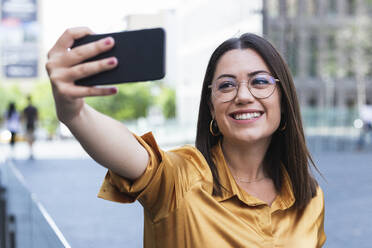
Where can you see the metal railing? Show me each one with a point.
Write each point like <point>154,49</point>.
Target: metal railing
<point>24,222</point>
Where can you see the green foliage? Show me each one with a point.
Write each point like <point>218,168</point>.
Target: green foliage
<point>167,101</point>
<point>131,102</point>
<point>134,100</point>
<point>42,98</point>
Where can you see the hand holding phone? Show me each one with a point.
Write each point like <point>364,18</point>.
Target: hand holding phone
<point>140,55</point>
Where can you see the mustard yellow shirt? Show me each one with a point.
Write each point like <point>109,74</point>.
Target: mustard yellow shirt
<point>180,210</point>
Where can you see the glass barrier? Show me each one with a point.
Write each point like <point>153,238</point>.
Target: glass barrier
<point>27,223</point>
<point>331,129</point>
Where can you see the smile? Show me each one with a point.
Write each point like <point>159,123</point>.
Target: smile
<point>246,116</point>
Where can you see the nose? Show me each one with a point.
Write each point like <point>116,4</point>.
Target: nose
<point>243,95</point>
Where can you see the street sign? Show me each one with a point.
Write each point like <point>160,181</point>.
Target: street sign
<point>19,41</point>
<point>23,10</point>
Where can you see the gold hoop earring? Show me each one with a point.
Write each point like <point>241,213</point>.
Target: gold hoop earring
<point>211,129</point>
<point>283,127</point>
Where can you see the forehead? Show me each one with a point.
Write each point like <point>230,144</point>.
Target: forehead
<point>240,62</point>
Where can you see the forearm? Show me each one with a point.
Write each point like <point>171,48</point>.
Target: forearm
<point>109,142</point>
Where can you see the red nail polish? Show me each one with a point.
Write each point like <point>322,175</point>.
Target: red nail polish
<point>108,41</point>
<point>112,61</point>
<point>113,90</point>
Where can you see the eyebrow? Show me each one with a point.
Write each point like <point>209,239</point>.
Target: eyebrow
<point>249,74</point>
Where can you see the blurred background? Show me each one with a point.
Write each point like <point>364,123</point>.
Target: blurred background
<point>48,190</point>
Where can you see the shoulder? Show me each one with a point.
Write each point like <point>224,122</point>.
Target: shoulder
<point>319,196</point>
<point>189,161</point>
<point>189,153</point>
<point>316,204</point>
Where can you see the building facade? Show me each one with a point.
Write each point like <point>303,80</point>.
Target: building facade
<point>203,25</point>
<point>327,46</point>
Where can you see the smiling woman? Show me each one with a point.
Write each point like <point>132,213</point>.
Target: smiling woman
<point>242,58</point>
<point>247,183</point>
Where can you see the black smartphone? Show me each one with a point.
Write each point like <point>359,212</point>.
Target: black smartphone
<point>140,54</point>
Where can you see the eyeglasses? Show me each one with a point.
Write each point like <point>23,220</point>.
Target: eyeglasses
<point>261,85</point>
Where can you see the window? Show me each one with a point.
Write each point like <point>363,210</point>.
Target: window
<point>335,98</point>
<point>331,66</point>
<point>312,101</point>
<point>332,43</point>
<point>273,8</point>
<point>350,103</point>
<point>332,6</point>
<point>350,64</point>
<point>313,56</point>
<point>368,54</point>
<point>292,53</point>
<point>368,5</point>
<point>312,7</point>
<point>351,7</point>
<point>292,8</point>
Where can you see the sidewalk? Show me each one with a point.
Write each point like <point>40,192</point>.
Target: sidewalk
<point>67,184</point>
<point>64,149</point>
<point>44,149</point>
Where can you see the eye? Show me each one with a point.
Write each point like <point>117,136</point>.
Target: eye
<point>226,85</point>
<point>260,81</point>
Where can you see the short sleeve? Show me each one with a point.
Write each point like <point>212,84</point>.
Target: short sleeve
<point>166,178</point>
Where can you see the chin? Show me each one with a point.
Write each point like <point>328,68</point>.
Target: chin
<point>248,138</point>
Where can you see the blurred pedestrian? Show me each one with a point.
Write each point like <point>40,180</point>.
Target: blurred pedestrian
<point>30,116</point>
<point>366,129</point>
<point>247,183</point>
<point>12,123</point>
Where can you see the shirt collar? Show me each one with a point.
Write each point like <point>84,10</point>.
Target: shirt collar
<point>230,189</point>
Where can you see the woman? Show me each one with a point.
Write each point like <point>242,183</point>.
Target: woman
<point>12,122</point>
<point>246,184</point>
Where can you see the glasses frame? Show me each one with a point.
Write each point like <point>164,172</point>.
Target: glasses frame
<point>249,88</point>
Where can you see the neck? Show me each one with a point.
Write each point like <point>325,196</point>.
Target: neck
<point>246,160</point>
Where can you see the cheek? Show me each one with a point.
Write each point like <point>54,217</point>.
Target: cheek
<point>274,111</point>
<point>219,113</point>
<point>276,115</point>
<point>277,118</point>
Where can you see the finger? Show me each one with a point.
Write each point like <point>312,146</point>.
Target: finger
<point>86,91</point>
<point>66,40</point>
<point>83,52</point>
<point>90,68</point>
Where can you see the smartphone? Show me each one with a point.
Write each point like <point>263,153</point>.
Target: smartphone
<point>140,54</point>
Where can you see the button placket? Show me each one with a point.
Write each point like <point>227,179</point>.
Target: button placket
<point>264,221</point>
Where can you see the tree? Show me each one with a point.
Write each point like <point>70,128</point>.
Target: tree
<point>131,102</point>
<point>167,101</point>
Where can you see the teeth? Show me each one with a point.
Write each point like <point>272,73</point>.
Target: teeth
<point>247,116</point>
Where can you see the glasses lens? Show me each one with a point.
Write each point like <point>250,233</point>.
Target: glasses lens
<point>262,85</point>
<point>225,90</point>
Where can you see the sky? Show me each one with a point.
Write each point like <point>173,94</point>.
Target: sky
<point>101,16</point>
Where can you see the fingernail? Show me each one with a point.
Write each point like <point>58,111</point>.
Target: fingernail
<point>108,41</point>
<point>111,61</point>
<point>113,90</point>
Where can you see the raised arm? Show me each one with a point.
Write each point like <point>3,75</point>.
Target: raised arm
<point>106,140</point>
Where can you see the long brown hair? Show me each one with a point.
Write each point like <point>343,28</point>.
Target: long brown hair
<point>287,147</point>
